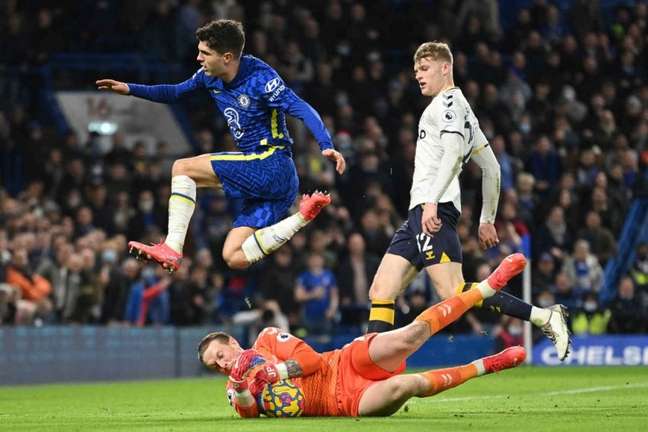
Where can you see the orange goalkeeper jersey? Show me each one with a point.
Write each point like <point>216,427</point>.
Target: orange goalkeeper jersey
<point>320,370</point>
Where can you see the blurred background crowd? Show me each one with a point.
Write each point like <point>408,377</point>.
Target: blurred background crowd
<point>559,88</point>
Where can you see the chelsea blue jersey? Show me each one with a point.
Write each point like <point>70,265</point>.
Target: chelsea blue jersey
<point>254,104</point>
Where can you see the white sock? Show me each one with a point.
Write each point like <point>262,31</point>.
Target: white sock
<point>267,240</point>
<point>181,206</point>
<point>485,289</point>
<point>539,316</point>
<point>479,364</point>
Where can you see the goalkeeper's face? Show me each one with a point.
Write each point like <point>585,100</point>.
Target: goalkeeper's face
<point>221,356</point>
<point>432,75</point>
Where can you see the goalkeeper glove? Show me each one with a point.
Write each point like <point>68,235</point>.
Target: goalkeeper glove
<point>246,361</point>
<point>268,373</point>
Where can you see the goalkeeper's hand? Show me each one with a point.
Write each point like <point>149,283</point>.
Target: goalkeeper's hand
<point>268,373</point>
<point>239,386</point>
<point>246,361</point>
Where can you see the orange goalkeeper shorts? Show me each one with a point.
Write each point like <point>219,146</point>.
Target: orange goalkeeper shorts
<point>356,373</point>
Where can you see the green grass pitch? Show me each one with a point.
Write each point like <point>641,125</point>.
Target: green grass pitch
<point>526,399</point>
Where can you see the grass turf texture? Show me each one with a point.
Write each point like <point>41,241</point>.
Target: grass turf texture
<point>533,399</point>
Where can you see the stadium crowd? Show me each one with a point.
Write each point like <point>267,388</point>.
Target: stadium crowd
<point>560,91</point>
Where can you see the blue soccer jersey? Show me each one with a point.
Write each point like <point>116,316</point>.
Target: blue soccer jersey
<point>255,104</point>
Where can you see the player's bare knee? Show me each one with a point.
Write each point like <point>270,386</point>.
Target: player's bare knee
<point>179,167</point>
<point>415,335</point>
<point>235,261</point>
<point>399,389</point>
<point>380,290</point>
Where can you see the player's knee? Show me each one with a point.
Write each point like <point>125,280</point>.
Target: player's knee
<point>414,335</point>
<point>186,167</point>
<point>179,167</point>
<point>398,390</point>
<point>235,261</point>
<point>381,290</point>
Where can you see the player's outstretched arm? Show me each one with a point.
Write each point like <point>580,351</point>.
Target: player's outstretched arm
<point>113,86</point>
<point>164,93</point>
<point>485,158</point>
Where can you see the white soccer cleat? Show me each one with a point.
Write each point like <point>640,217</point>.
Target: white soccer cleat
<point>557,331</point>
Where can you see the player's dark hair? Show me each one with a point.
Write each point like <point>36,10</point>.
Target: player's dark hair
<point>223,36</point>
<point>219,336</point>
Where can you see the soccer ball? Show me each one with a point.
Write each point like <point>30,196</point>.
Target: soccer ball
<point>281,399</point>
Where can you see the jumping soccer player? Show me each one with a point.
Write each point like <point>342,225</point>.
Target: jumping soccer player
<point>254,100</point>
<point>364,378</point>
<point>449,135</point>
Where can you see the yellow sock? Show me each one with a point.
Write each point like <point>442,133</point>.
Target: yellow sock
<point>382,315</point>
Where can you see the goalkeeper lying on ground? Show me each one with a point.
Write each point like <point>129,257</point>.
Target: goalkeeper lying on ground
<point>364,378</point>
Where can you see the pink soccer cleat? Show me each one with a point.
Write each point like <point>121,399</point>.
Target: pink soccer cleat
<point>507,359</point>
<point>507,270</point>
<point>160,253</point>
<point>311,205</point>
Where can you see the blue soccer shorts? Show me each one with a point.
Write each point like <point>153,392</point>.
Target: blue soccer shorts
<point>267,183</point>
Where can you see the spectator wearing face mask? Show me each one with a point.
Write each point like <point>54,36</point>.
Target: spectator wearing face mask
<point>145,218</point>
<point>590,320</point>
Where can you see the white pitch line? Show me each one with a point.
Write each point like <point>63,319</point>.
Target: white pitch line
<point>553,393</point>
<point>595,389</point>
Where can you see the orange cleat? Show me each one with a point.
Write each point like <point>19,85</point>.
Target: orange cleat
<point>160,253</point>
<point>507,359</point>
<point>510,267</point>
<point>311,205</point>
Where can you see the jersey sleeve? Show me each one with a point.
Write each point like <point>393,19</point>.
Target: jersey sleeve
<point>288,347</point>
<point>277,95</point>
<point>167,93</point>
<point>484,157</point>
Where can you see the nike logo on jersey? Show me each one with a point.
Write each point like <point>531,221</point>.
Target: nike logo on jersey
<point>216,91</point>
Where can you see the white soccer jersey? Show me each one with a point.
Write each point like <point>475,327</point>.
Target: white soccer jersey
<point>449,112</point>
